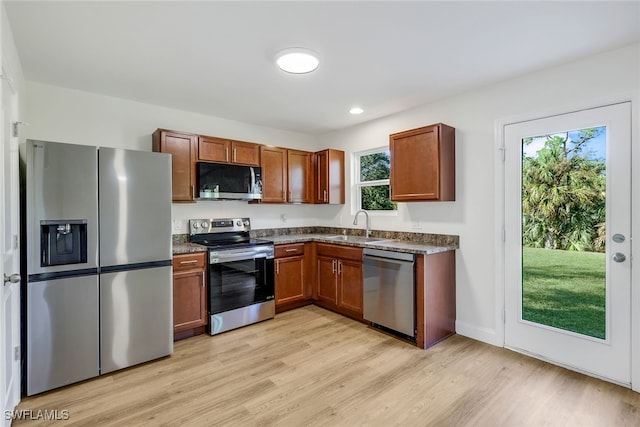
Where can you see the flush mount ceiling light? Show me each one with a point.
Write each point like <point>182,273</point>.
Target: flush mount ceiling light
<point>356,110</point>
<point>297,60</point>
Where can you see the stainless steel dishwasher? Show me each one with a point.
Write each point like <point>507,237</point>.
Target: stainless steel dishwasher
<point>389,290</point>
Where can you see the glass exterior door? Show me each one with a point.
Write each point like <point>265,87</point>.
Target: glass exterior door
<point>567,244</point>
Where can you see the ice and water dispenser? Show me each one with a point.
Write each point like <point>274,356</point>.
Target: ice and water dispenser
<point>63,242</point>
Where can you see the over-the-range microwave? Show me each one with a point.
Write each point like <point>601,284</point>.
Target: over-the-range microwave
<point>223,181</point>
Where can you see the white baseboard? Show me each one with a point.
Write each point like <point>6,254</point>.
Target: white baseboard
<point>478,333</point>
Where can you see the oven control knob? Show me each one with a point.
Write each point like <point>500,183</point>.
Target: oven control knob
<point>205,224</point>
<point>195,225</point>
<point>239,223</point>
<point>246,222</point>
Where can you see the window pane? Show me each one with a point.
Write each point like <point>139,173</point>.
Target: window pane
<point>563,231</point>
<point>377,198</point>
<point>374,166</point>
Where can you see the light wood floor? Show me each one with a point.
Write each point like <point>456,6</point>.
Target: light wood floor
<point>312,367</point>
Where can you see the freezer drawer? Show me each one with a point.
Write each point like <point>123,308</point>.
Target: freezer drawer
<point>136,317</point>
<point>62,332</point>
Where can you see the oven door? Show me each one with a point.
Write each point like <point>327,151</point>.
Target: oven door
<point>240,277</point>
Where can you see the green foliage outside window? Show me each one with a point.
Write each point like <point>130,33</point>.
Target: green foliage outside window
<point>563,194</point>
<point>375,167</point>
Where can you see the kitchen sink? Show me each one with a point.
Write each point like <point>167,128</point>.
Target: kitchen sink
<point>356,239</point>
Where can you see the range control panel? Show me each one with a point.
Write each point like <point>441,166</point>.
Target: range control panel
<point>218,225</point>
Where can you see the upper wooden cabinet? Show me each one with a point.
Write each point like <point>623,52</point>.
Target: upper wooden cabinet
<point>329,177</point>
<point>299,176</point>
<point>183,150</point>
<point>286,175</point>
<point>212,149</point>
<point>274,174</point>
<point>423,164</point>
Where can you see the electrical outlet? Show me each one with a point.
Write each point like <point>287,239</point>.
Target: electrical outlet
<point>177,225</point>
<point>416,225</point>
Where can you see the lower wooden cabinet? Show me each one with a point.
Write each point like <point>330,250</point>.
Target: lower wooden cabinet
<point>189,294</point>
<point>331,276</point>
<point>339,279</point>
<point>293,288</point>
<point>327,285</point>
<point>350,285</point>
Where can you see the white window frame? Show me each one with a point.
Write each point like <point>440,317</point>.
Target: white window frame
<point>357,184</point>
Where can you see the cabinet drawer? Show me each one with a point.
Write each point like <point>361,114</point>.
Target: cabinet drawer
<point>289,250</point>
<point>339,251</point>
<point>189,261</point>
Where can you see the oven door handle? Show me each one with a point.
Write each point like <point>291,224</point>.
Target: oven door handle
<point>237,256</point>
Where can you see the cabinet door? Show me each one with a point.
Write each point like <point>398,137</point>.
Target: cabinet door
<point>274,174</point>
<point>423,164</point>
<point>245,153</point>
<point>299,166</point>
<point>327,286</point>
<point>212,149</point>
<point>322,177</point>
<point>182,148</point>
<point>289,279</point>
<point>350,285</point>
<point>329,177</point>
<point>189,300</point>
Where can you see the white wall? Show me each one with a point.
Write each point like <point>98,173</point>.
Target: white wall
<point>65,115</point>
<point>11,60</point>
<point>610,76</point>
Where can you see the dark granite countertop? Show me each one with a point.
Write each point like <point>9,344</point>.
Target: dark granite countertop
<point>361,242</point>
<point>416,243</point>
<point>187,248</point>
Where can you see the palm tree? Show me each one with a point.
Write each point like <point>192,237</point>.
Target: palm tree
<point>563,195</point>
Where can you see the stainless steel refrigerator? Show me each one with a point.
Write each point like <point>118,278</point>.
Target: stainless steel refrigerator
<point>96,253</point>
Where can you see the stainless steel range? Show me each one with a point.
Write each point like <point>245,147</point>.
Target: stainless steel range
<point>241,280</point>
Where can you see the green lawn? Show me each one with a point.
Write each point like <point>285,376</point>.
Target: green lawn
<point>564,289</point>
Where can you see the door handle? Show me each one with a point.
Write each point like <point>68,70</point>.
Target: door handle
<point>333,266</point>
<point>619,257</point>
<point>226,154</point>
<point>339,268</point>
<point>618,238</point>
<point>277,266</point>
<point>14,278</point>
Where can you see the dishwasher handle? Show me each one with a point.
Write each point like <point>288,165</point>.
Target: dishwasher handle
<point>391,260</point>
<point>381,255</point>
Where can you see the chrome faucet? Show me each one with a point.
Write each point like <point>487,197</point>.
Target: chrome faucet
<point>355,222</point>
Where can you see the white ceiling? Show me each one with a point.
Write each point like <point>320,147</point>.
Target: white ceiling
<point>216,58</point>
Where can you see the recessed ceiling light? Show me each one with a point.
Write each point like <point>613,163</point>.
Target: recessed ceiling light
<point>356,110</point>
<point>297,60</point>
